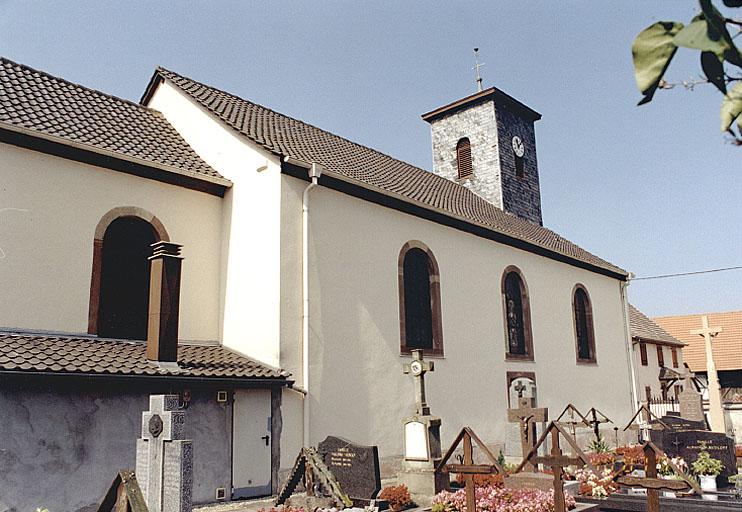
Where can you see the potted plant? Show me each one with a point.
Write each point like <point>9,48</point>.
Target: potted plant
<point>398,497</point>
<point>707,468</point>
<point>666,471</point>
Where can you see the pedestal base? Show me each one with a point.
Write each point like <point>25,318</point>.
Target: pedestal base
<point>423,484</point>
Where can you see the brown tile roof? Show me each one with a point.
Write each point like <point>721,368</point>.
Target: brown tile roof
<point>33,353</point>
<point>285,136</point>
<point>727,344</point>
<point>643,328</point>
<point>36,101</point>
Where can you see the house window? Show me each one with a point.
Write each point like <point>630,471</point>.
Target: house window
<point>648,392</point>
<point>419,302</point>
<point>674,353</point>
<point>660,356</point>
<point>124,279</point>
<point>643,353</point>
<point>463,158</point>
<point>517,315</point>
<point>583,319</point>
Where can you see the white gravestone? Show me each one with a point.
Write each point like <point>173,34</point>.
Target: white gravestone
<point>164,465</point>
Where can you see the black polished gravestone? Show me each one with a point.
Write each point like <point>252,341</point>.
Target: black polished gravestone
<point>689,443</point>
<point>675,422</point>
<point>355,467</point>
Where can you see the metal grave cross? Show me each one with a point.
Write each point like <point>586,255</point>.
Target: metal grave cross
<point>418,368</point>
<point>527,416</point>
<point>164,458</point>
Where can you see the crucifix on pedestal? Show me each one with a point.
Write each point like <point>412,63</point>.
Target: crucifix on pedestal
<point>526,415</point>
<point>418,368</point>
<point>716,413</point>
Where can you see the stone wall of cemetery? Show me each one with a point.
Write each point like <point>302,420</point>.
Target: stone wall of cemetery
<point>357,388</point>
<point>62,444</point>
<point>50,210</point>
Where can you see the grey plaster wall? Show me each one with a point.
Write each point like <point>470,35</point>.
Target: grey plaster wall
<point>60,446</point>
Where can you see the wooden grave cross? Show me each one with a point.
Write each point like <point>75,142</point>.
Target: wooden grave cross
<point>652,483</point>
<point>556,460</point>
<point>310,469</point>
<point>527,416</point>
<point>643,426</point>
<point>124,495</point>
<point>595,418</point>
<point>467,467</point>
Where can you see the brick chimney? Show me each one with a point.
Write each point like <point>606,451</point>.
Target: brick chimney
<point>164,302</point>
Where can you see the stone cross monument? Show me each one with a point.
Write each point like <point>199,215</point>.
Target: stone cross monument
<point>716,413</point>
<point>164,466</point>
<point>422,439</point>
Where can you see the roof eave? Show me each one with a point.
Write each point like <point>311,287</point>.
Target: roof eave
<point>214,180</point>
<point>478,97</point>
<point>623,276</point>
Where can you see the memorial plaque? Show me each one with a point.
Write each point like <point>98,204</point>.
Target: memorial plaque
<point>689,443</point>
<point>355,467</point>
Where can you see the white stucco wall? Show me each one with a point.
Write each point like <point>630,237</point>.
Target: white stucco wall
<point>49,209</point>
<point>357,388</point>
<point>250,266</point>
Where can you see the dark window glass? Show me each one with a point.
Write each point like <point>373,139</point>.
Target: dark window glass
<point>674,357</point>
<point>417,303</point>
<point>582,325</point>
<point>660,356</point>
<point>514,314</point>
<point>124,284</point>
<point>643,353</point>
<point>463,158</point>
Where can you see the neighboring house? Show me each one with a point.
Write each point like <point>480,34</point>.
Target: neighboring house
<point>658,357</point>
<point>334,282</point>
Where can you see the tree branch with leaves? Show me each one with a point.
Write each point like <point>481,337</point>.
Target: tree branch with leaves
<point>721,60</point>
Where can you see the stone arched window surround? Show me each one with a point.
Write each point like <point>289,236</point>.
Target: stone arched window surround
<point>590,326</point>
<point>527,332</point>
<point>100,231</point>
<point>435,299</point>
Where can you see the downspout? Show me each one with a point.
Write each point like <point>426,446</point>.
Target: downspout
<point>315,171</point>
<point>629,341</point>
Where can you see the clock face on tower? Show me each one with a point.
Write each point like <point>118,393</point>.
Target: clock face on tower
<point>518,147</point>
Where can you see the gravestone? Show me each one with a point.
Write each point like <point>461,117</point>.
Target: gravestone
<point>689,443</point>
<point>674,423</point>
<point>691,401</point>
<point>164,465</point>
<point>356,467</point>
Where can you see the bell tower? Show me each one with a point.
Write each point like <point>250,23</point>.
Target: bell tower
<point>487,143</point>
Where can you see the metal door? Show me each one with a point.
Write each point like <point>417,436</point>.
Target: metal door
<point>251,451</point>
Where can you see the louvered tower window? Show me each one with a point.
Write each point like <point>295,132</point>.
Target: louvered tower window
<point>463,158</point>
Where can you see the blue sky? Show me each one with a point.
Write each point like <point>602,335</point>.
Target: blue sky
<point>654,189</point>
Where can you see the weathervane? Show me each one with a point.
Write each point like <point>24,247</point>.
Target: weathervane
<point>476,67</point>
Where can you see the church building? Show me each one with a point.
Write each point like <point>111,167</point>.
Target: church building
<point>277,277</point>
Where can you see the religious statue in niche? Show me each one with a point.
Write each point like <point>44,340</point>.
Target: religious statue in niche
<point>515,328</point>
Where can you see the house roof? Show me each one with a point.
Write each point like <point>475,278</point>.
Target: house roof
<point>39,103</point>
<point>644,329</point>
<point>727,345</point>
<point>81,355</point>
<point>288,137</point>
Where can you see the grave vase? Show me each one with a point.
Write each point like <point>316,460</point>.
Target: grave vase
<point>708,483</point>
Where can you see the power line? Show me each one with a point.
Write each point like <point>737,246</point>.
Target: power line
<point>679,274</point>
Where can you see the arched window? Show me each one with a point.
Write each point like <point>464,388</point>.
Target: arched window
<point>584,332</point>
<point>517,315</point>
<point>463,158</point>
<point>419,300</point>
<point>119,287</point>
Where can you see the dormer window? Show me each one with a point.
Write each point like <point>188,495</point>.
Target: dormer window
<point>463,158</point>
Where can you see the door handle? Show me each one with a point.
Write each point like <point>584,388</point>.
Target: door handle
<point>266,438</point>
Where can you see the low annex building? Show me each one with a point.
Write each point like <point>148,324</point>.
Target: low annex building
<point>311,267</point>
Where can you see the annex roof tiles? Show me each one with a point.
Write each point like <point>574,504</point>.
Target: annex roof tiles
<point>643,328</point>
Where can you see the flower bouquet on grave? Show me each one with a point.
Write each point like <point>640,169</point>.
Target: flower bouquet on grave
<point>596,485</point>
<point>398,497</point>
<point>666,471</point>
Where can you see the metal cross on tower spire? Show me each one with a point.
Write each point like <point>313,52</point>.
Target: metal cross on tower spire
<point>476,67</point>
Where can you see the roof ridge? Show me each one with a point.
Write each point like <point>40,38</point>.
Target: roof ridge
<point>699,314</point>
<point>75,84</point>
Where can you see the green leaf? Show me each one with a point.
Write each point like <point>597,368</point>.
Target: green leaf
<point>717,25</point>
<point>733,3</point>
<point>713,68</point>
<point>731,107</point>
<point>652,51</point>
<point>699,35</point>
